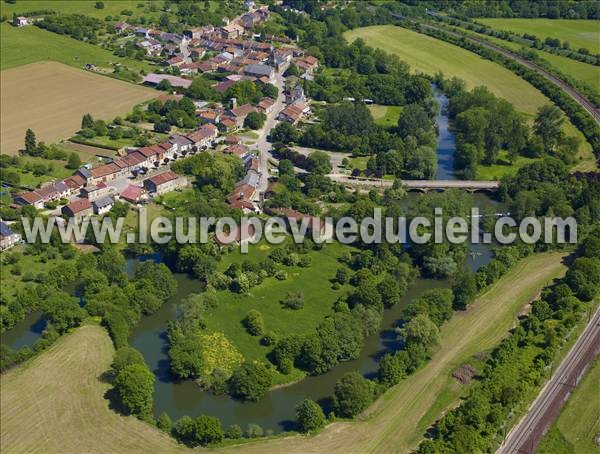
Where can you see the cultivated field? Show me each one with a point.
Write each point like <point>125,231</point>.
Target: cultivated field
<point>55,403</point>
<point>24,45</point>
<point>51,98</point>
<point>579,33</point>
<point>429,55</point>
<point>584,407</point>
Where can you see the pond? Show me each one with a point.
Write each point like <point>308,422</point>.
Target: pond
<point>26,332</point>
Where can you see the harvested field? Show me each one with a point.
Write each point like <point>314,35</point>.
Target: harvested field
<point>54,403</point>
<point>50,98</point>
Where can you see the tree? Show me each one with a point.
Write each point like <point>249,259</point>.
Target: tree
<point>162,127</point>
<point>63,311</point>
<point>30,142</point>
<point>185,355</point>
<point>352,394</point>
<point>255,120</point>
<point>164,422</point>
<point>319,162</point>
<point>393,368</point>
<point>234,432</point>
<point>74,161</point>
<point>135,387</point>
<point>254,323</point>
<point>250,381</point>
<point>207,429</point>
<point>309,416</point>
<point>464,289</point>
<point>99,5</point>
<point>548,125</point>
<point>284,132</point>
<point>87,121</point>
<point>126,356</point>
<point>421,330</point>
<point>164,85</point>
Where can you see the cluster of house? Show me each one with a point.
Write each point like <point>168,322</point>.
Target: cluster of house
<point>90,185</point>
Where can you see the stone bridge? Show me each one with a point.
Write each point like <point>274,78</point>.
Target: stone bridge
<point>421,185</point>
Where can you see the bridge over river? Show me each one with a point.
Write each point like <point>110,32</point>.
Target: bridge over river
<point>420,185</point>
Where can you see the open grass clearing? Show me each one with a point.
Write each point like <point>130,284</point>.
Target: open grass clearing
<point>50,98</point>
<point>579,33</point>
<point>386,116</point>
<point>314,282</point>
<point>429,55</point>
<point>55,403</point>
<point>584,407</point>
<point>23,45</point>
<point>396,421</point>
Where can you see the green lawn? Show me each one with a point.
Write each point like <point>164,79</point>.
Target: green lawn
<point>28,179</point>
<point>578,425</point>
<point>20,46</point>
<point>313,281</point>
<point>386,116</point>
<point>359,162</point>
<point>86,7</point>
<point>497,171</point>
<point>579,33</point>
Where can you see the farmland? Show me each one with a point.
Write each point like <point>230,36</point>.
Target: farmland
<point>55,403</point>
<point>51,98</point>
<point>579,33</point>
<point>21,46</point>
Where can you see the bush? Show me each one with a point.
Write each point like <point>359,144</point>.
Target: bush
<point>135,387</point>
<point>254,323</point>
<point>250,381</point>
<point>293,301</point>
<point>309,416</point>
<point>234,432</point>
<point>270,338</point>
<point>164,422</point>
<point>352,394</point>
<point>281,275</point>
<point>254,431</point>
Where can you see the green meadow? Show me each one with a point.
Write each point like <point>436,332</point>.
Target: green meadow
<point>579,33</point>
<point>23,45</point>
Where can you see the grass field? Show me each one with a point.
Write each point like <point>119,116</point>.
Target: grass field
<point>313,281</point>
<point>51,98</point>
<point>429,55</point>
<point>397,421</point>
<point>20,46</point>
<point>386,116</point>
<point>565,436</point>
<point>576,69</point>
<point>55,403</point>
<point>579,33</point>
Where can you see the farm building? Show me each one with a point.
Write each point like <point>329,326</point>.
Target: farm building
<point>78,209</point>
<point>164,182</point>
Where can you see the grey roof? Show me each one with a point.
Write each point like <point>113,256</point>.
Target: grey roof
<point>5,229</point>
<point>85,172</point>
<point>251,178</point>
<point>262,70</point>
<point>180,140</point>
<point>103,202</point>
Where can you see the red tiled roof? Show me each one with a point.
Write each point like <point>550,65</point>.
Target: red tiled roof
<point>163,178</point>
<point>79,205</point>
<point>30,197</point>
<point>132,193</point>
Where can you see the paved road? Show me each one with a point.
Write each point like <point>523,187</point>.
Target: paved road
<point>575,94</point>
<point>526,435</point>
<point>261,143</point>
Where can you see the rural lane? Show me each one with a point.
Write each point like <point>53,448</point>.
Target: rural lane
<point>525,436</point>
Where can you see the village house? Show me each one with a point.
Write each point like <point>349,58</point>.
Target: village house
<point>54,191</point>
<point>75,183</point>
<point>164,182</point>
<point>260,70</point>
<point>293,113</point>
<point>178,82</point>
<point>78,209</point>
<point>30,198</point>
<point>232,140</point>
<point>8,238</point>
<point>132,194</point>
<point>180,144</point>
<point>122,27</point>
<point>295,94</point>
<point>266,105</point>
<point>313,223</point>
<point>231,31</point>
<point>228,123</point>
<point>238,235</point>
<point>204,137</point>
<point>242,197</point>
<point>95,192</point>
<point>102,205</point>
<point>176,61</point>
<point>141,31</point>
<point>151,46</point>
<point>239,114</point>
<point>197,52</point>
<point>211,116</point>
<point>237,149</point>
<point>308,64</point>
